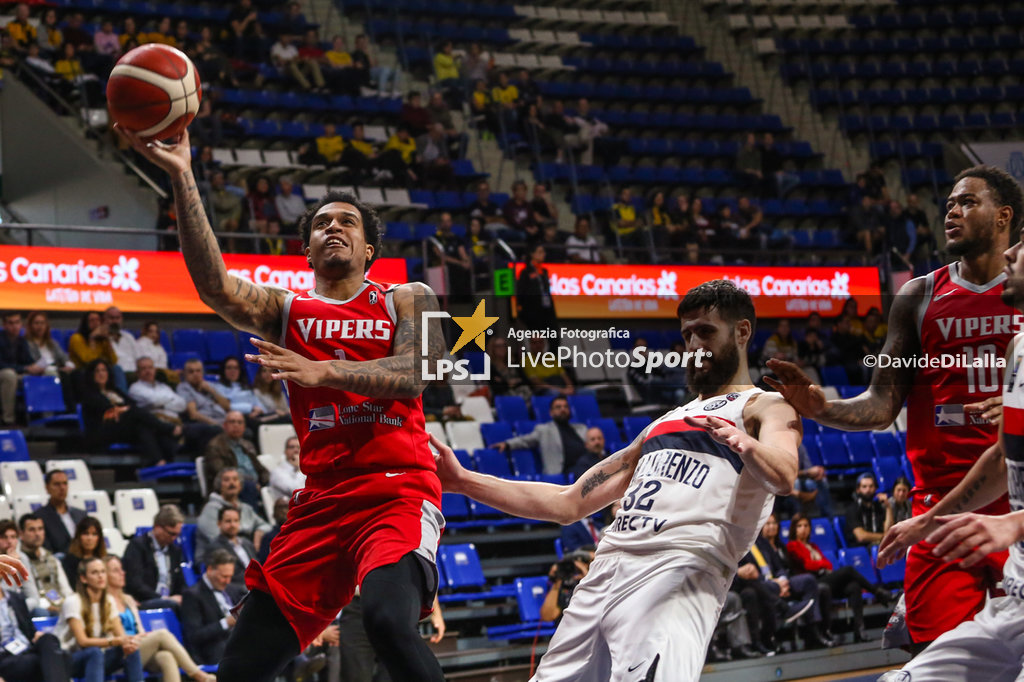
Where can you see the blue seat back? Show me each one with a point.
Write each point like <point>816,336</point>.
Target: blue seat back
<point>833,450</point>
<point>823,535</point>
<point>13,447</point>
<point>524,463</point>
<point>222,344</point>
<point>860,446</point>
<point>859,558</point>
<point>511,408</point>
<point>162,619</point>
<point>634,426</point>
<point>887,470</point>
<point>190,341</point>
<point>461,566</point>
<point>45,623</point>
<point>542,407</point>
<point>839,523</point>
<point>490,461</point>
<point>530,593</point>
<point>890,575</point>
<point>887,445</point>
<point>834,375</point>
<point>584,407</point>
<point>784,530</point>
<point>608,428</point>
<point>495,432</point>
<point>454,506</point>
<point>524,426</point>
<point>43,394</point>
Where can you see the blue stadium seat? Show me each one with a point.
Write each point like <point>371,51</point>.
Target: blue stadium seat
<point>177,360</point>
<point>810,444</point>
<point>839,523</point>
<point>483,511</point>
<point>511,408</point>
<point>784,530</point>
<point>44,395</point>
<point>524,463</point>
<point>542,407</point>
<point>811,427</point>
<point>891,576</point>
<point>834,375</point>
<point>584,407</point>
<point>860,446</point>
<point>824,535</point>
<point>833,450</point>
<point>492,462</point>
<point>887,445</point>
<point>859,558</point>
<point>634,426</point>
<point>13,447</point>
<point>221,345</point>
<point>524,426</point>
<point>495,432</point>
<point>887,470</point>
<point>454,507</point>
<point>190,341</point>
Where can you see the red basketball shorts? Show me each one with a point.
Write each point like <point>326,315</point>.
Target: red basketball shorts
<point>339,528</point>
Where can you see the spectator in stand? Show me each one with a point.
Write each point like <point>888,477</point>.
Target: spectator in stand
<point>339,70</point>
<point>584,534</point>
<point>862,225</point>
<point>900,500</point>
<point>40,63</point>
<point>542,207</point>
<point>204,403</point>
<point>703,228</point>
<point>847,349</point>
<point>870,515</point>
<point>594,445</point>
<point>545,376</point>
<point>874,329</point>
<point>435,164</point>
<point>563,578</point>
<point>505,96</point>
<point>45,351</point>
<point>111,416</point>
<point>926,249</point>
<point>261,205</point>
<point>75,34</point>
<point>561,443</point>
<point>400,151</point>
<point>441,113</point>
<point>149,345</point>
<point>811,350</point>
<point>244,20</point>
<point>534,305</point>
<point>183,36</point>
<point>626,225</point>
<point>123,343</point>
<point>271,396</point>
<point>656,216</point>
<point>86,544</point>
<point>226,207</point>
<point>901,234</point>
<point>106,41</point>
<point>562,131</point>
<point>775,179</point>
<point>529,93</point>
<point>229,521</point>
<point>290,206</point>
<point>90,629</point>
<point>311,51</point>
<point>843,583</point>
<point>59,518</point>
<point>152,562</point>
<point>383,78</point>
<point>50,584</point>
<point>293,21</point>
<point>49,36</point>
<point>330,144</point>
<point>481,105</point>
<point>517,211</point>
<point>874,183</point>
<point>162,35</point>
<point>280,516</point>
<point>16,361</point>
<point>581,247</point>
<point>361,156</point>
<point>414,115</point>
<point>227,488</point>
<point>167,405</point>
<point>446,67</point>
<point>478,242</point>
<point>476,65</point>
<point>811,489</point>
<point>590,130</point>
<point>92,342</point>
<point>22,33</point>
<point>160,650</point>
<point>286,477</point>
<point>748,161</point>
<point>32,655</point>
<point>485,209</point>
<point>505,380</point>
<point>285,56</point>
<point>681,232</point>
<point>454,258</point>
<point>206,608</point>
<point>750,218</point>
<point>129,31</point>
<point>850,309</point>
<point>232,450</point>
<point>781,344</point>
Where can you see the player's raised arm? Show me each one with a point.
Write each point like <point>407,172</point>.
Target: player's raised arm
<point>397,376</point>
<point>879,405</point>
<point>601,485</point>
<point>241,303</point>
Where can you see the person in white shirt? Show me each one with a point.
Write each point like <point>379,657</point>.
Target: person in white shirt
<point>154,396</point>
<point>122,341</point>
<point>290,206</point>
<point>581,247</point>
<point>148,345</point>
<point>286,477</point>
<point>271,395</point>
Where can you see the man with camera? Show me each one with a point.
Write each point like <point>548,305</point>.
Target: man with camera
<point>564,576</point>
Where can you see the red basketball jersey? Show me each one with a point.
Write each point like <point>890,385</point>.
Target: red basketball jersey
<point>969,323</point>
<point>340,430</point>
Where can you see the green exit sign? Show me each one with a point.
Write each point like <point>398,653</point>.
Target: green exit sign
<point>504,282</point>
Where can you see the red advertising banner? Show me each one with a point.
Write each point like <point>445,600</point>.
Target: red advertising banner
<point>43,278</point>
<point>654,291</point>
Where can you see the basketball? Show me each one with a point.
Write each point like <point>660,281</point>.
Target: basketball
<point>154,91</point>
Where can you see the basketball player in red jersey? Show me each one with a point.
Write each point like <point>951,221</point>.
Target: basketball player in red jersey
<point>952,412</point>
<point>369,514</point>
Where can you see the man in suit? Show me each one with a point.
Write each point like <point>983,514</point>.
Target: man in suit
<point>206,608</point>
<point>561,443</point>
<point>59,519</point>
<point>229,520</point>
<point>28,655</point>
<point>152,562</point>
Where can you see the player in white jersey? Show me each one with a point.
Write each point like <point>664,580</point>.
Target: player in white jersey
<point>989,648</point>
<point>695,488</point>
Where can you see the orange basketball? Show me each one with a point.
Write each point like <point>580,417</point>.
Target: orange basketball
<point>154,91</point>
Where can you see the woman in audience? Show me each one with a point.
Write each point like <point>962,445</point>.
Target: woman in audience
<point>42,345</point>
<point>286,477</point>
<point>112,417</point>
<point>900,500</point>
<point>87,544</point>
<point>91,341</point>
<point>271,397</point>
<point>261,205</point>
<point>160,651</point>
<point>234,385</point>
<point>149,346</point>
<point>845,582</point>
<point>90,629</point>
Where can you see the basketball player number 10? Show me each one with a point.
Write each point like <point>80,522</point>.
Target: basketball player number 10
<point>976,375</point>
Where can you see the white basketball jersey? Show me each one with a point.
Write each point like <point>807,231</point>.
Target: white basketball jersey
<point>689,492</point>
<point>1013,448</point>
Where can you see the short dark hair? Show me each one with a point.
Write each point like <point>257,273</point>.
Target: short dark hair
<point>224,510</point>
<point>732,303</point>
<point>1005,189</point>
<point>219,557</point>
<point>25,518</point>
<point>11,313</point>
<point>554,400</point>
<point>48,476</point>
<point>6,525</point>
<point>373,229</point>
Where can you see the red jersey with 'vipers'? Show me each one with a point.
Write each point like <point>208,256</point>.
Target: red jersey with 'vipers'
<point>340,430</point>
<point>969,323</point>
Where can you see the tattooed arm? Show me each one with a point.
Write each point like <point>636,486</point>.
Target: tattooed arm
<point>241,303</point>
<point>601,485</point>
<point>879,405</point>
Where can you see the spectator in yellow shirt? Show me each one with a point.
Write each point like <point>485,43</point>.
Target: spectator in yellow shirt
<point>330,145</point>
<point>398,155</point>
<point>68,65</point>
<point>129,31</point>
<point>21,32</point>
<point>161,35</point>
<point>403,142</point>
<point>446,68</point>
<point>625,222</point>
<point>506,99</point>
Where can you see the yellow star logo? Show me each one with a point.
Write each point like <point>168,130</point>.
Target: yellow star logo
<point>473,328</point>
